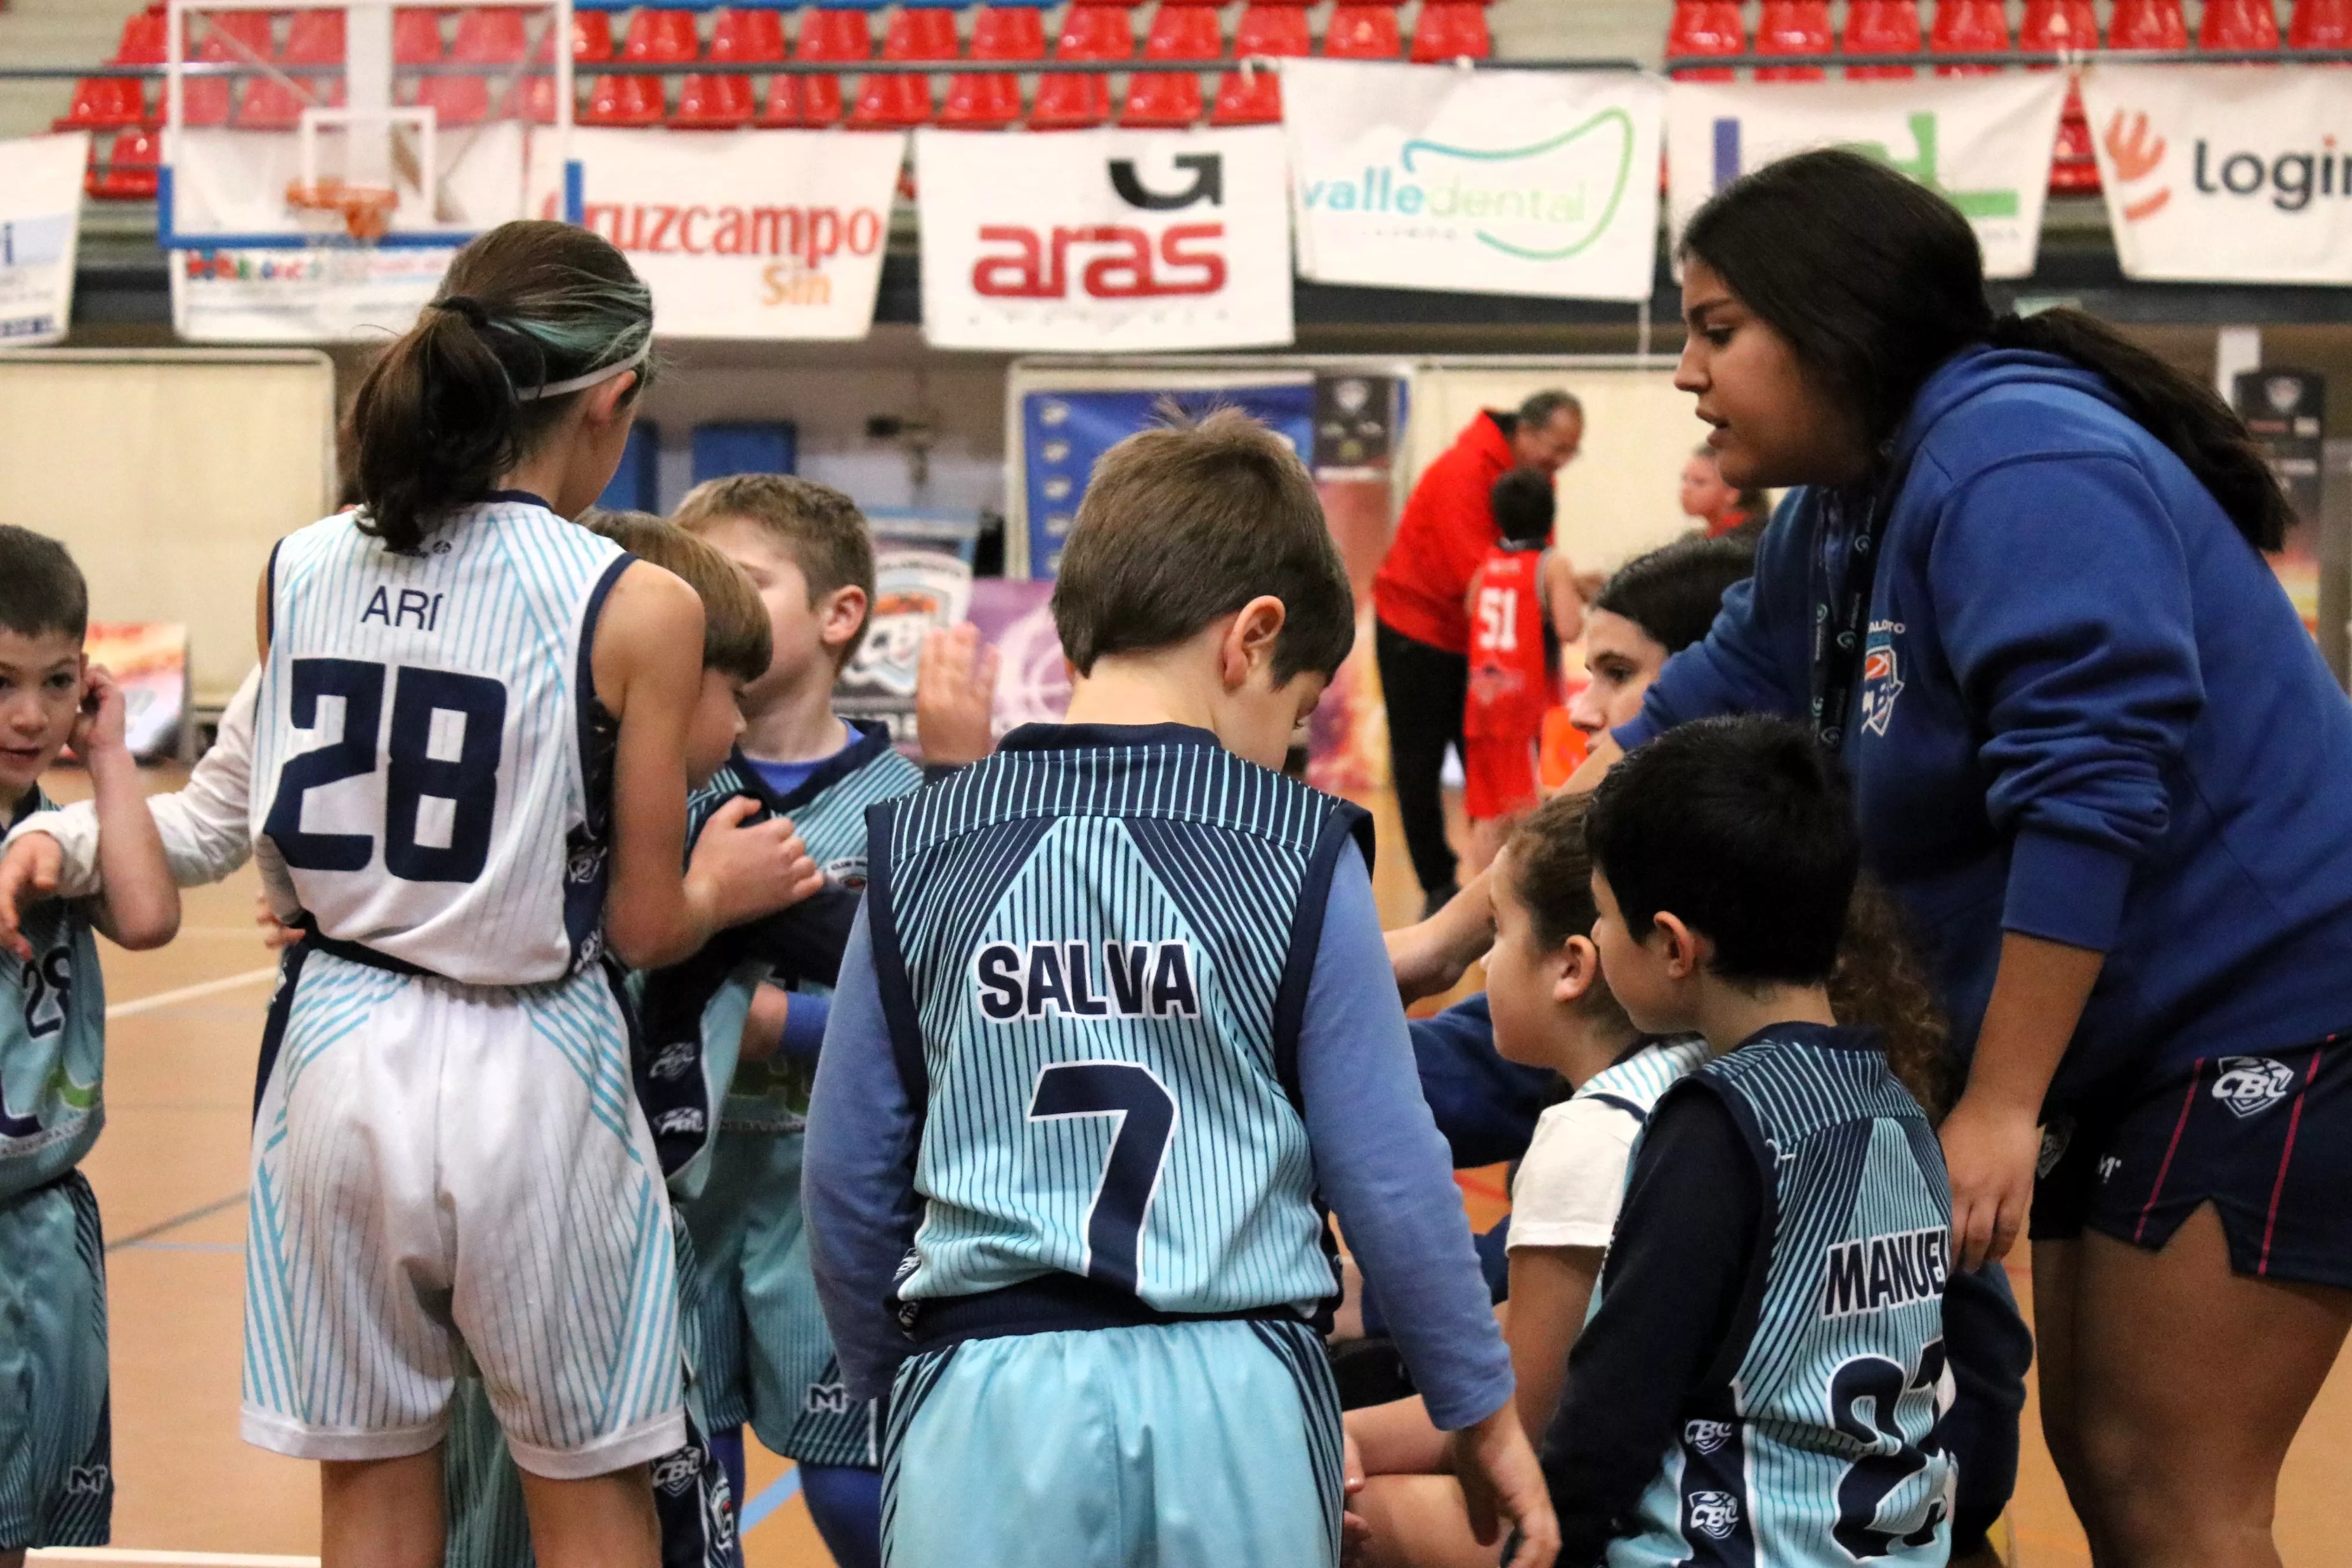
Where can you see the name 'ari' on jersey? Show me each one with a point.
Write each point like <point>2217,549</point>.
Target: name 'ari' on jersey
<point>52,1044</point>
<point>431,766</point>
<point>1094,959</point>
<point>1822,1447</point>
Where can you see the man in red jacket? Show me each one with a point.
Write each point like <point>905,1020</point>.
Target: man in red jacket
<point>1421,634</point>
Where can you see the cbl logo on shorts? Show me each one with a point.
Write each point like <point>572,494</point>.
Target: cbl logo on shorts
<point>1713,1514</point>
<point>1707,1436</point>
<point>2251,1084</point>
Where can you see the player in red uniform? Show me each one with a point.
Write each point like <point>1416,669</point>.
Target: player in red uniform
<point>1512,658</point>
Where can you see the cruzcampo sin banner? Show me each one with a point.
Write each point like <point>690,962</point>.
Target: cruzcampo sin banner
<point>1494,182</point>
<point>1982,142</point>
<point>2219,173</point>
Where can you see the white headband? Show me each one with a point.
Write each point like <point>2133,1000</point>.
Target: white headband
<point>593,378</point>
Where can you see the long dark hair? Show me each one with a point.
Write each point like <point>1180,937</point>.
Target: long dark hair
<point>1674,592</point>
<point>1875,280</point>
<point>450,405</point>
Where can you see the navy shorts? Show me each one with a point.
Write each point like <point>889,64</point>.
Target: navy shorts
<point>2266,1139</point>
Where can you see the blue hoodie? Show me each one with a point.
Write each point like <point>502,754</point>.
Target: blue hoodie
<point>2087,713</point>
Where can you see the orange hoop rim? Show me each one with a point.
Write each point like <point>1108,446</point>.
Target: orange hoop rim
<point>365,210</point>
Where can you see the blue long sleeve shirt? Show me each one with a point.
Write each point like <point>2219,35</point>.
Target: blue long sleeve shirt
<point>2087,712</point>
<point>1379,1162</point>
<point>1485,1106</point>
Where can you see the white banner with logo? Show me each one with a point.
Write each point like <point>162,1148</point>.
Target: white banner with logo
<point>2221,174</point>
<point>311,294</point>
<point>1982,142</point>
<point>1494,182</point>
<point>40,226</point>
<point>746,233</point>
<point>1104,241</point>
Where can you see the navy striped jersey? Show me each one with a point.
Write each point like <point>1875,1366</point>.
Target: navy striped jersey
<point>52,1042</point>
<point>1816,1442</point>
<point>1634,1082</point>
<point>431,766</point>
<point>1093,950</point>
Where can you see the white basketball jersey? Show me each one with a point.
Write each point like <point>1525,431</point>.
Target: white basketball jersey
<point>431,767</point>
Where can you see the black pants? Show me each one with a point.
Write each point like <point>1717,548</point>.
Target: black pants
<point>1424,688</point>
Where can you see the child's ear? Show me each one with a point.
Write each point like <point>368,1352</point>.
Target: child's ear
<point>1578,972</point>
<point>1680,946</point>
<point>843,613</point>
<point>1249,641</point>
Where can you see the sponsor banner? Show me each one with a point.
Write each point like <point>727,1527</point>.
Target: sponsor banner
<point>917,589</point>
<point>1493,183</point>
<point>40,222</point>
<point>1104,241</point>
<point>748,234</point>
<point>1981,142</point>
<point>148,659</point>
<point>2219,173</point>
<point>317,294</point>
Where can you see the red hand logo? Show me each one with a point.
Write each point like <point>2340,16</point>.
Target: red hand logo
<point>2134,155</point>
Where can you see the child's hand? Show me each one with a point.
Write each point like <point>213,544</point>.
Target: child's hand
<point>1355,1531</point>
<point>743,873</point>
<point>955,692</point>
<point>1501,1480</point>
<point>28,873</point>
<point>99,729</point>
<point>1433,955</point>
<point>275,934</point>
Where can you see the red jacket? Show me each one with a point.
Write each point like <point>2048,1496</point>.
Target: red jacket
<point>1446,530</point>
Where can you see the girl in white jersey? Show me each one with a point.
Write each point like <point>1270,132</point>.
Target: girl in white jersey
<point>467,786</point>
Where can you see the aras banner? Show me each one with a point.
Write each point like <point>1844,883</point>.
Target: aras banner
<point>745,233</point>
<point>1104,241</point>
<point>40,222</point>
<point>1982,142</point>
<point>2219,173</point>
<point>1494,182</point>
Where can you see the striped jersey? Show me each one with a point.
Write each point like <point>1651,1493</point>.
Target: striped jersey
<point>1818,1443</point>
<point>431,766</point>
<point>1093,951</point>
<point>1634,1082</point>
<point>52,1042</point>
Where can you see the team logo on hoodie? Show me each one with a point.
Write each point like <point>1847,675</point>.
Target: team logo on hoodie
<point>1881,675</point>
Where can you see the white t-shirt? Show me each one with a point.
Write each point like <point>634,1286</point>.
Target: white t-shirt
<point>1572,1177</point>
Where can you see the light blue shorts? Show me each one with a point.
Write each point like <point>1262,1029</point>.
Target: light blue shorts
<point>1203,1445</point>
<point>57,1481</point>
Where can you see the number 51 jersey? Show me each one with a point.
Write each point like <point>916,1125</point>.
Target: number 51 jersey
<point>431,770</point>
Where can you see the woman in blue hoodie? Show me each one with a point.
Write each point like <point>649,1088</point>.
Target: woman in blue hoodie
<point>2099,761</point>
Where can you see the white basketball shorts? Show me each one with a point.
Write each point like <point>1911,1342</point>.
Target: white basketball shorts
<point>441,1170</point>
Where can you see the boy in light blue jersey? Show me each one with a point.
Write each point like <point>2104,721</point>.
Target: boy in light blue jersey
<point>1116,1020</point>
<point>767,1359</point>
<point>1764,1377</point>
<point>57,1480</point>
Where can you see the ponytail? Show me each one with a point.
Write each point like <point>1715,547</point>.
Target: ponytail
<point>532,314</point>
<point>1875,282</point>
<point>2183,413</point>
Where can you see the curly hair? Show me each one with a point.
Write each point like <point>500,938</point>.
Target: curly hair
<point>1879,984</point>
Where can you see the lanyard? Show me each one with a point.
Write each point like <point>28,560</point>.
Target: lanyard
<point>1844,560</point>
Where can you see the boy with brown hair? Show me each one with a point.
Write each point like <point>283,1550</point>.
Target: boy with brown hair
<point>768,1360</point>
<point>1117,1018</point>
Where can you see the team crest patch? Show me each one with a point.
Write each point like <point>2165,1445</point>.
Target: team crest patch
<point>1707,1436</point>
<point>1881,675</point>
<point>2055,1136</point>
<point>827,1399</point>
<point>2251,1084</point>
<point>1713,1514</point>
<point>88,1480</point>
<point>677,1473</point>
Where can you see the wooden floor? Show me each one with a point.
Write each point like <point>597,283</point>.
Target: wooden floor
<point>171,1174</point>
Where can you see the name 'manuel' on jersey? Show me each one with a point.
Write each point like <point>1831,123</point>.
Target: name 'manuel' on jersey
<point>1144,980</point>
<point>1875,1272</point>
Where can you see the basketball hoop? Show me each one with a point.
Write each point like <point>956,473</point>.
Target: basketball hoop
<point>365,211</point>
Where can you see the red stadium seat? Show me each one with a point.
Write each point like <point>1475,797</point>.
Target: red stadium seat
<point>743,36</point>
<point>2237,24</point>
<point>1700,29</point>
<point>1968,28</point>
<point>1272,28</point>
<point>1792,27</point>
<point>130,164</point>
<point>415,36</point>
<point>2147,25</point>
<point>1009,32</point>
<point>1451,30</point>
<point>829,34</point>
<point>313,38</point>
<point>892,102</point>
<point>230,36</point>
<point>1182,30</point>
<point>1091,30</point>
<point>1363,32</point>
<point>2320,24</point>
<point>1881,27</point>
<point>657,35</point>
<point>105,103</point>
<point>2052,26</point>
<point>591,45</point>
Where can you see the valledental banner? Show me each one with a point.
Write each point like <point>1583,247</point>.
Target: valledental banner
<point>2219,173</point>
<point>1981,142</point>
<point>1495,182</point>
<point>40,222</point>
